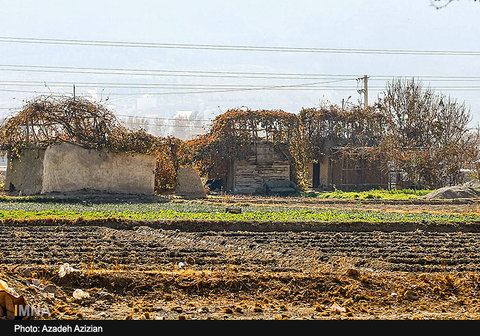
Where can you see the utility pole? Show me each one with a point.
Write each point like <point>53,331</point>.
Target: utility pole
<point>27,129</point>
<point>364,91</point>
<point>73,92</point>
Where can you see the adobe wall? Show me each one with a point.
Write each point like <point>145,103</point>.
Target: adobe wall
<point>68,167</point>
<point>324,178</point>
<point>189,183</point>
<point>24,174</point>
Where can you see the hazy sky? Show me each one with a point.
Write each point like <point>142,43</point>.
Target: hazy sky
<point>352,24</point>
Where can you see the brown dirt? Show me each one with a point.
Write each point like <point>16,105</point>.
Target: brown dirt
<point>146,272</point>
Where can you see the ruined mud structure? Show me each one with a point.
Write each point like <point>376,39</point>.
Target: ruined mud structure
<point>317,148</point>
<point>63,144</point>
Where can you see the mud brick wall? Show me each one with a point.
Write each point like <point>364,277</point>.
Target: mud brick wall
<point>189,183</point>
<point>67,167</point>
<point>24,174</point>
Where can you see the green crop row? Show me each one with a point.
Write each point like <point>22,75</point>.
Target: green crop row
<point>274,216</point>
<point>371,194</point>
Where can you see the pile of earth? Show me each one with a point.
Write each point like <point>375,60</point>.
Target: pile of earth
<point>470,189</point>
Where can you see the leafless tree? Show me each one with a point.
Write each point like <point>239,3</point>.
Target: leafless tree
<point>428,135</point>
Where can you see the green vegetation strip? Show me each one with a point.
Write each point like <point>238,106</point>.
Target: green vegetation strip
<point>403,194</point>
<point>272,214</point>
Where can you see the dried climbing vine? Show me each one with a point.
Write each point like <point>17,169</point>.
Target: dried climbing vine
<point>233,133</point>
<point>302,138</point>
<point>353,131</point>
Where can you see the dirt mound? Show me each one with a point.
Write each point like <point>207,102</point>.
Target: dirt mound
<point>453,192</point>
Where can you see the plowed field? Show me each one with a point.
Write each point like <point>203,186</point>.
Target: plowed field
<point>145,272</point>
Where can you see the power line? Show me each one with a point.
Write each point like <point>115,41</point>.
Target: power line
<point>137,120</point>
<point>156,45</point>
<point>160,118</point>
<point>107,94</point>
<point>179,86</point>
<point>136,117</point>
<point>217,89</point>
<point>165,72</point>
<point>93,72</point>
<point>142,85</point>
<point>129,85</point>
<point>272,87</point>
<point>213,74</point>
<point>172,126</point>
<point>166,93</point>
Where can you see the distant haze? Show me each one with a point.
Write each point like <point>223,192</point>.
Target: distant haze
<point>171,97</point>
